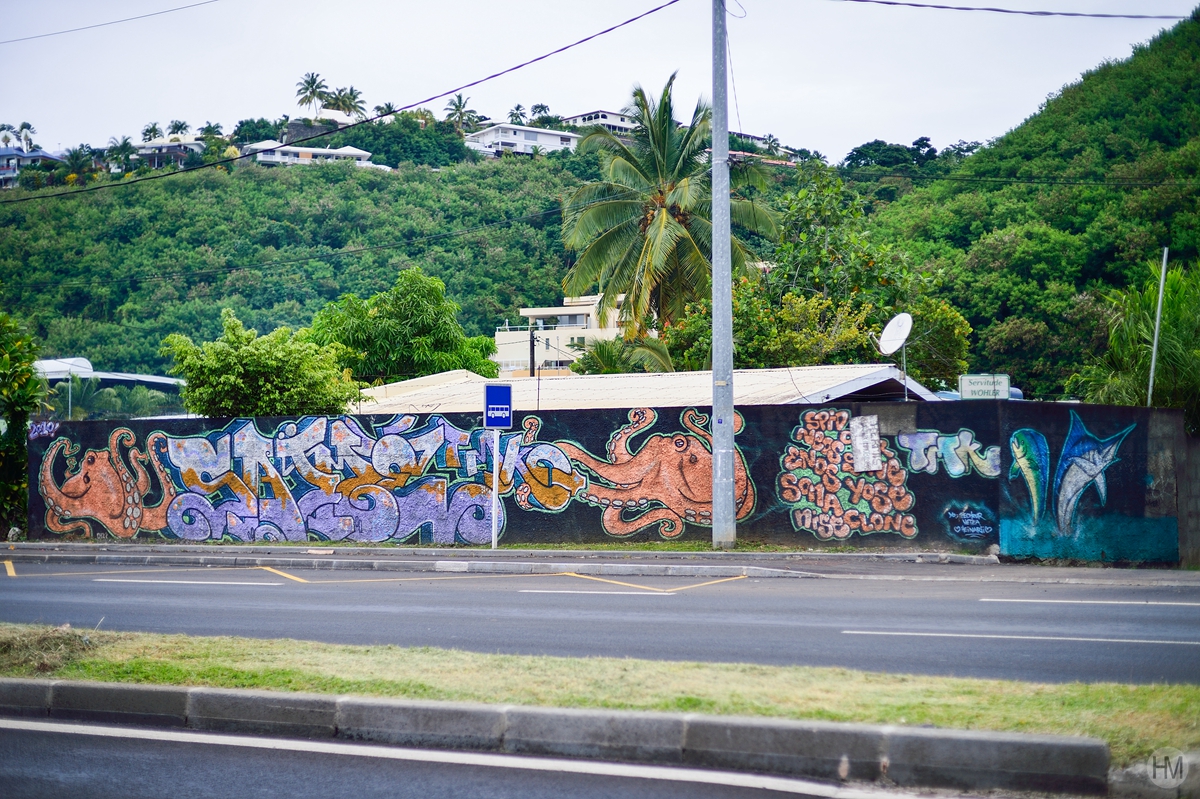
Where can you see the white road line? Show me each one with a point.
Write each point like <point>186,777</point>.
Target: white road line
<point>662,773</point>
<point>1025,637</point>
<point>178,582</point>
<point>535,590</point>
<point>1095,602</point>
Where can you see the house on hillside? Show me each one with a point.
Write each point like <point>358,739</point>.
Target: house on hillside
<point>278,154</point>
<point>615,121</point>
<point>12,159</point>
<point>552,331</point>
<point>519,139</point>
<point>169,150</point>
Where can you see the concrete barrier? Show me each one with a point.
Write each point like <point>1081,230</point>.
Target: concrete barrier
<point>595,734</point>
<point>25,697</point>
<point>262,712</point>
<point>157,705</point>
<point>835,752</point>
<point>439,725</point>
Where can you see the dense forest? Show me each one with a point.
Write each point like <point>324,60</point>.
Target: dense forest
<point>107,275</point>
<point>1029,250</point>
<point>1025,233</point>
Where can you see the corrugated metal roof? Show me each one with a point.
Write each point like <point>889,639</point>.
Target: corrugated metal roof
<point>462,391</point>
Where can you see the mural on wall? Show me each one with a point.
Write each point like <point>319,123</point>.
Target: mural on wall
<point>1072,482</point>
<point>662,484</point>
<point>959,453</point>
<point>827,498</point>
<point>1081,465</point>
<point>330,478</point>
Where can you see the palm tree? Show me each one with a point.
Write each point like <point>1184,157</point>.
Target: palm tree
<point>539,110</point>
<point>211,129</point>
<point>311,91</point>
<point>25,132</point>
<point>772,144</point>
<point>151,131</point>
<point>645,231</point>
<point>387,109</point>
<point>78,160</point>
<point>517,115</point>
<point>178,126</point>
<point>352,103</point>
<point>422,115</point>
<point>459,114</point>
<point>120,151</point>
<point>5,138</point>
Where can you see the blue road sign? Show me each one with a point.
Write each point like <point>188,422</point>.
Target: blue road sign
<point>497,406</point>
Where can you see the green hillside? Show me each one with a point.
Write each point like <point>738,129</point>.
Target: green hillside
<point>1026,259</point>
<point>106,275</point>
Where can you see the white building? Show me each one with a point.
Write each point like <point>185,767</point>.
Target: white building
<point>553,329</point>
<point>273,152</point>
<point>619,123</point>
<point>171,149</point>
<point>520,139</point>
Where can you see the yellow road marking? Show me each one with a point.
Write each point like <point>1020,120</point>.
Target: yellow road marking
<point>618,582</point>
<point>442,577</point>
<point>8,567</point>
<point>711,582</point>
<point>283,574</point>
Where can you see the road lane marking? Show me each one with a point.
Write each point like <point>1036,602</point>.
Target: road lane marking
<point>177,582</point>
<point>539,590</point>
<point>283,574</point>
<point>613,582</point>
<point>174,569</point>
<point>1096,602</point>
<point>1026,637</point>
<point>431,577</point>
<point>8,568</point>
<point>710,582</point>
<point>475,759</point>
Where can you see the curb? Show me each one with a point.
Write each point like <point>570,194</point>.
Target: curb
<point>503,554</point>
<point>906,756</point>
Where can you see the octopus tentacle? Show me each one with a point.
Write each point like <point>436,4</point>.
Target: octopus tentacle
<point>618,445</point>
<point>668,521</point>
<point>155,518</point>
<point>56,525</point>
<point>695,422</point>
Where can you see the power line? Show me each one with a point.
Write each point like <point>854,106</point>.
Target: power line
<point>493,76</point>
<point>105,24</point>
<point>1014,10</point>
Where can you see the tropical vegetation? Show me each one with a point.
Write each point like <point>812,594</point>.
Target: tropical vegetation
<point>21,394</point>
<point>244,374</point>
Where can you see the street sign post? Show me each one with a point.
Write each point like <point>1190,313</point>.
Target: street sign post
<point>497,416</point>
<point>983,387</point>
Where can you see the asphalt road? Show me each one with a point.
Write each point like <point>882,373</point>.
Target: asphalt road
<point>1025,631</point>
<point>85,761</point>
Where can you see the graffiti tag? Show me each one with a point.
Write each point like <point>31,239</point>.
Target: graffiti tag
<point>827,497</point>
<point>42,430</point>
<point>959,452</point>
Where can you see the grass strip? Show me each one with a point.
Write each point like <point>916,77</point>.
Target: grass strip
<point>1134,719</point>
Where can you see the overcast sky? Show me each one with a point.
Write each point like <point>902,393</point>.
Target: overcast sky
<point>816,73</point>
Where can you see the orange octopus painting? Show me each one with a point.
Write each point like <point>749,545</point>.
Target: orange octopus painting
<point>663,484</point>
<point>100,488</point>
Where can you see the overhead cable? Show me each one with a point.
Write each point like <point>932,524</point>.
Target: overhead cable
<point>106,24</point>
<point>410,106</point>
<point>1015,10</point>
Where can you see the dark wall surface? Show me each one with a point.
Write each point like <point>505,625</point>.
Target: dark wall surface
<point>1040,480</point>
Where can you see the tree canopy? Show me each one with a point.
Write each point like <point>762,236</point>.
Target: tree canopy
<point>21,393</point>
<point>244,374</point>
<point>409,331</point>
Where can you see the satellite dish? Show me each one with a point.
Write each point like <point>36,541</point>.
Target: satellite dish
<point>895,334</point>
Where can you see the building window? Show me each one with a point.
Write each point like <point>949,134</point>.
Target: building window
<point>530,135</point>
<point>604,116</point>
<point>564,140</point>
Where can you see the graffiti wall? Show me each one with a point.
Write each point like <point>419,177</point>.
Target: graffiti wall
<point>1044,481</point>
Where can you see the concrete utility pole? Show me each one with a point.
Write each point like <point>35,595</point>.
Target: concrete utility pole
<point>724,519</point>
<point>1162,282</point>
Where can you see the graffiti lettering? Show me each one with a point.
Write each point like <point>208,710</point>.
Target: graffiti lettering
<point>42,429</point>
<point>959,453</point>
<point>824,494</point>
<point>319,477</point>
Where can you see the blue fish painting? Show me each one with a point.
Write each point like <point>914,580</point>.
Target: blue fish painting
<point>1082,463</point>
<point>1031,460</point>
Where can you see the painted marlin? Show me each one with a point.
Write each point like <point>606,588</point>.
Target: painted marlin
<point>1031,460</point>
<point>1082,463</point>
